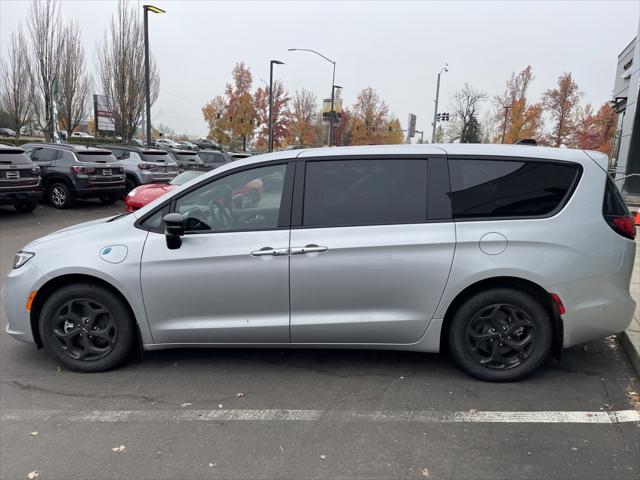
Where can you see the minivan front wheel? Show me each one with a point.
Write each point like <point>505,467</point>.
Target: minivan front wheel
<point>500,335</point>
<point>86,328</point>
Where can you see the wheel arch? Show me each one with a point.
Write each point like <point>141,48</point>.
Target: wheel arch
<point>46,290</point>
<point>521,284</point>
<point>50,179</point>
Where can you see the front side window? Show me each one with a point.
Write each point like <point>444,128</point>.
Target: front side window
<point>246,200</point>
<point>505,188</point>
<point>365,192</point>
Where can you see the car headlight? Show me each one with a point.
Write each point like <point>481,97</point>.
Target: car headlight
<point>22,258</point>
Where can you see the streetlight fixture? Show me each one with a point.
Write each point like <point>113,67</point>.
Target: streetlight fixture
<point>435,111</point>
<point>333,85</point>
<point>271,64</point>
<point>147,9</point>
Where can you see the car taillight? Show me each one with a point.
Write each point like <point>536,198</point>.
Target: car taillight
<point>624,225</point>
<point>83,169</point>
<point>146,166</point>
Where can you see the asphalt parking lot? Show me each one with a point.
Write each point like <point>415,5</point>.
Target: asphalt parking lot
<point>305,414</point>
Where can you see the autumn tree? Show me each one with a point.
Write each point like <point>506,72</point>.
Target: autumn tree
<point>393,134</point>
<point>304,108</point>
<point>73,80</point>
<point>561,103</point>
<point>280,114</point>
<point>465,126</point>
<point>215,114</point>
<point>121,70</point>
<point>514,114</point>
<point>369,118</point>
<point>45,27</point>
<point>596,131</point>
<point>15,87</point>
<point>241,110</point>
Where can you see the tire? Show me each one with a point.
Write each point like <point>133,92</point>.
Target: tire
<point>26,207</point>
<point>86,328</point>
<point>108,199</point>
<point>59,195</point>
<point>518,344</point>
<point>130,184</point>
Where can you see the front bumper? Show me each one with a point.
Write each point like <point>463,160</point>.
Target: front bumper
<point>18,284</point>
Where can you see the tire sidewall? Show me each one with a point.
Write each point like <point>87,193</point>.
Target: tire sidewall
<point>68,202</point>
<point>473,305</point>
<point>122,317</point>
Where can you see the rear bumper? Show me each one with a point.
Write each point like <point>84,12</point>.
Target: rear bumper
<point>97,190</point>
<point>10,197</point>
<point>598,306</point>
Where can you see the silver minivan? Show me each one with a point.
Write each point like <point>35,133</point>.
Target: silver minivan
<point>501,255</point>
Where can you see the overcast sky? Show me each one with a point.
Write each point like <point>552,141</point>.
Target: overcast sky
<point>397,47</point>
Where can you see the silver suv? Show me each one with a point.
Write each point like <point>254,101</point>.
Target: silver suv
<point>500,254</point>
<point>144,165</point>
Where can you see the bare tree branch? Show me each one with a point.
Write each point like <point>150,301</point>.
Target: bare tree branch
<point>73,80</point>
<point>121,70</point>
<point>15,85</point>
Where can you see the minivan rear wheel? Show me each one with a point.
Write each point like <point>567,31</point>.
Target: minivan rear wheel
<point>500,335</point>
<point>86,328</point>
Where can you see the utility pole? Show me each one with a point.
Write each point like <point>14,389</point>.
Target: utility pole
<point>435,111</point>
<point>504,124</point>
<point>147,85</point>
<point>276,62</point>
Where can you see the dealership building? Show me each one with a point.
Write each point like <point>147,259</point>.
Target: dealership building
<point>625,158</point>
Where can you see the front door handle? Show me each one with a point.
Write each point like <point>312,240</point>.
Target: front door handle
<point>308,249</point>
<point>276,252</point>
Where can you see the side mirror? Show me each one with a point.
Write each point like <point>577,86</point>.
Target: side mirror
<point>173,230</point>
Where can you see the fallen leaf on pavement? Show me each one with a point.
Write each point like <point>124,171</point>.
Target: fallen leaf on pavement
<point>187,404</point>
<point>424,471</point>
<point>32,475</point>
<point>239,394</point>
<point>121,448</point>
<point>219,405</point>
<point>211,465</point>
<point>323,457</point>
<point>34,434</point>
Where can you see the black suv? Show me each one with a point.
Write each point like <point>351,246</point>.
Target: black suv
<point>187,160</point>
<point>75,171</point>
<point>19,180</point>
<point>214,158</point>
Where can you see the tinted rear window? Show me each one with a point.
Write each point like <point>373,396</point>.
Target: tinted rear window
<point>155,156</point>
<point>504,188</point>
<point>365,192</point>
<point>613,204</point>
<point>208,157</point>
<point>13,157</point>
<point>100,157</point>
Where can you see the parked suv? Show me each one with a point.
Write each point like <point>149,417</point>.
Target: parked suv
<point>188,160</point>
<point>214,158</point>
<point>19,180</point>
<point>74,171</point>
<point>144,165</point>
<point>501,254</point>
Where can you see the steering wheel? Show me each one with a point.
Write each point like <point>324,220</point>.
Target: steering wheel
<point>220,213</point>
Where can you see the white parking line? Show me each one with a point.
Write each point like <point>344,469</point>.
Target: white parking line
<point>420,416</point>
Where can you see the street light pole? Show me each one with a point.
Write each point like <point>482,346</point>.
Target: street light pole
<point>147,85</point>
<point>435,111</point>
<point>276,62</point>
<point>504,124</point>
<point>333,81</point>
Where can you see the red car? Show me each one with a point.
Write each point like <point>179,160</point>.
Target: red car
<point>248,195</point>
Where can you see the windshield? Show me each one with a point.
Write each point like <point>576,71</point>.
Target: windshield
<point>184,177</point>
<point>210,157</point>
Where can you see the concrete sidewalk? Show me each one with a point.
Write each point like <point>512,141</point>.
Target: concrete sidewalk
<point>631,336</point>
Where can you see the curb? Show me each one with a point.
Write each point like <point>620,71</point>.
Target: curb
<point>631,344</point>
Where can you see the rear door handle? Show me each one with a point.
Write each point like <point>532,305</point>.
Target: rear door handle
<point>276,252</point>
<point>308,249</point>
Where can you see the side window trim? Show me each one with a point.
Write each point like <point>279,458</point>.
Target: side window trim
<point>284,216</point>
<point>437,175</point>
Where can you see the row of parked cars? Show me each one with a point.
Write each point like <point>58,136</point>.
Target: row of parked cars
<point>61,173</point>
